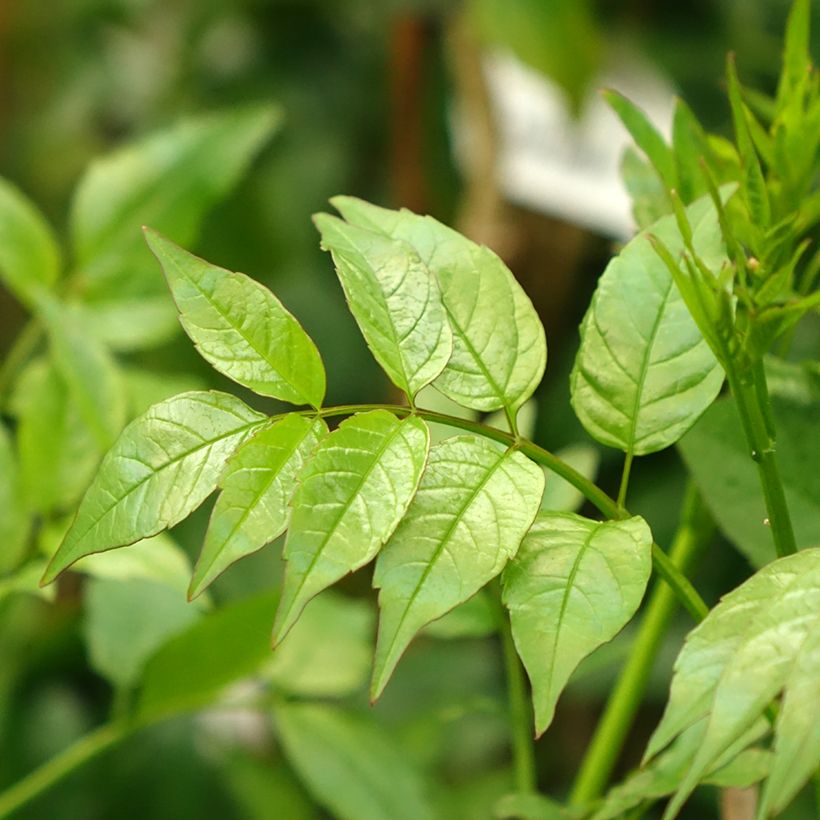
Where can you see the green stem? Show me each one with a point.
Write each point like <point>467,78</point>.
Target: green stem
<point>694,532</point>
<point>622,490</point>
<point>752,400</point>
<point>521,717</point>
<point>76,755</point>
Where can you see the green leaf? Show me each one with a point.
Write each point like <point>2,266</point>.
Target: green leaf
<point>717,455</point>
<point>328,651</point>
<point>89,371</point>
<point>127,621</point>
<point>796,55</point>
<point>14,520</point>
<point>191,669</point>
<point>162,467</point>
<point>532,806</point>
<point>241,328</point>
<point>169,180</point>
<point>350,765</point>
<point>29,256</point>
<point>146,387</point>
<point>499,349</point>
<point>394,299</point>
<point>130,324</point>
<point>254,506</point>
<point>738,766</point>
<point>475,502</point>
<point>797,730</point>
<point>646,137</point>
<point>351,495</point>
<point>690,149</point>
<point>644,374</point>
<point>58,452</point>
<point>477,617</point>
<point>752,645</point>
<point>572,586</point>
<point>25,580</point>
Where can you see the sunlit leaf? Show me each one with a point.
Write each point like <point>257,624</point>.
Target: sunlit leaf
<point>475,502</point>
<point>499,349</point>
<point>241,328</point>
<point>644,374</point>
<point>257,485</point>
<point>395,301</point>
<point>351,495</point>
<point>14,521</point>
<point>572,586</point>
<point>754,644</point>
<point>162,467</point>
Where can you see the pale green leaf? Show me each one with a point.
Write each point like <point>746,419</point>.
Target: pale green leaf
<point>532,806</point>
<point>130,324</point>
<point>351,495</point>
<point>797,730</point>
<point>162,467</point>
<point>738,767</point>
<point>57,450</point>
<point>748,649</point>
<point>88,370</point>
<point>14,519</point>
<point>126,621</point>
<point>499,349</point>
<point>394,299</point>
<point>168,180</point>
<point>350,765</point>
<point>188,672</point>
<point>29,255</point>
<point>26,580</point>
<point>717,455</point>
<point>475,502</point>
<point>146,387</point>
<point>328,651</point>
<point>572,586</point>
<point>241,328</point>
<point>257,485</point>
<point>477,617</point>
<point>644,374</point>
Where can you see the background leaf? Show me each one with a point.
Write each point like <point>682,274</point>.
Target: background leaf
<point>351,495</point>
<point>395,300</point>
<point>163,466</point>
<point>643,373</point>
<point>474,504</point>
<point>572,586</point>
<point>257,485</point>
<point>14,522</point>
<point>499,348</point>
<point>349,764</point>
<point>241,328</point>
<point>29,255</point>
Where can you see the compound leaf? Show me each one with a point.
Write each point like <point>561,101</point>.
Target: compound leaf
<point>756,642</point>
<point>257,485</point>
<point>29,255</point>
<point>351,495</point>
<point>644,374</point>
<point>162,467</point>
<point>474,504</point>
<point>499,349</point>
<point>572,586</point>
<point>241,328</point>
<point>394,299</point>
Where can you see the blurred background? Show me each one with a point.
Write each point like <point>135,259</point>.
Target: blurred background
<point>484,114</point>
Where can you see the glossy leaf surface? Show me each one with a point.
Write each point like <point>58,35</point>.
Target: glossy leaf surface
<point>241,328</point>
<point>162,467</point>
<point>475,502</point>
<point>644,374</point>
<point>572,586</point>
<point>395,300</point>
<point>257,485</point>
<point>499,348</point>
<point>351,495</point>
